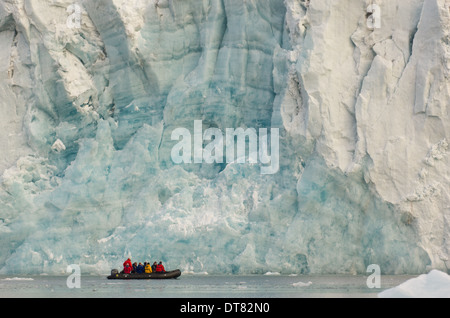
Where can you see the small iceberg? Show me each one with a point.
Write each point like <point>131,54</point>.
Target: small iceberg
<point>195,273</point>
<point>18,278</point>
<point>272,274</point>
<point>435,284</point>
<point>302,284</point>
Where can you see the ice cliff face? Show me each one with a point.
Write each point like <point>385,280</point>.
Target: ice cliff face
<point>92,90</point>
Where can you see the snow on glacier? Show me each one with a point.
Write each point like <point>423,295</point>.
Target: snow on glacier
<point>86,171</point>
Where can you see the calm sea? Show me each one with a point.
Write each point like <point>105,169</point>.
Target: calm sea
<point>197,286</point>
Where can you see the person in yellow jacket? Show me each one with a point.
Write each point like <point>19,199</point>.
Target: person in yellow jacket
<point>148,268</point>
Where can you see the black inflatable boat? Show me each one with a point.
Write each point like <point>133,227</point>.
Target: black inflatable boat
<point>166,275</point>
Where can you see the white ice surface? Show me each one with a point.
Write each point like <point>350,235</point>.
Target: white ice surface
<point>435,284</point>
<point>87,113</point>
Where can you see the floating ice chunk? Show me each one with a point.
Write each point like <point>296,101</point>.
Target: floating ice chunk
<point>194,273</point>
<point>435,284</point>
<point>302,284</point>
<point>272,274</point>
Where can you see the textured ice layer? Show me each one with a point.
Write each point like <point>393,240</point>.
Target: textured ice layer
<point>88,111</point>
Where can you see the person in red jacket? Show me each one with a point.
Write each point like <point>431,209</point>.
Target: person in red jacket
<point>127,263</point>
<point>127,269</point>
<point>160,268</point>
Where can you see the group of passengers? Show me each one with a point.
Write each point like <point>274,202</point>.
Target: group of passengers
<point>135,268</point>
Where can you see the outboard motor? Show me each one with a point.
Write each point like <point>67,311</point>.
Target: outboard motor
<point>114,272</point>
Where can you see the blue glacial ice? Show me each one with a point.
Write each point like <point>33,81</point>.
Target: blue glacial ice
<point>88,111</point>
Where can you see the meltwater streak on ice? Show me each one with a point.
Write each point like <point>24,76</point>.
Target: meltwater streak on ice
<point>86,172</point>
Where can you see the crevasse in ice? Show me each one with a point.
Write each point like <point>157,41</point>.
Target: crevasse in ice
<point>89,104</point>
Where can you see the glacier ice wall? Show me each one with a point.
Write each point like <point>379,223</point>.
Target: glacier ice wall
<point>88,111</point>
